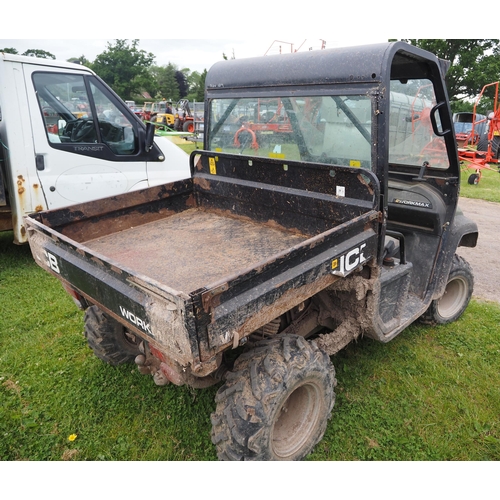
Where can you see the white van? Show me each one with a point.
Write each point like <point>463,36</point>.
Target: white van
<point>66,137</point>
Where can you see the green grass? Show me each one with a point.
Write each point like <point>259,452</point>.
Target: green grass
<point>189,147</point>
<point>433,393</point>
<point>488,187</point>
<point>430,394</point>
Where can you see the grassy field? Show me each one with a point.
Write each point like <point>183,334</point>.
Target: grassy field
<point>432,394</point>
<point>488,187</point>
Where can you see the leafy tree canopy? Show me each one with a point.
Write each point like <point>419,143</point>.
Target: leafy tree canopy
<point>163,84</point>
<point>474,63</point>
<point>30,52</point>
<point>130,71</point>
<point>182,83</point>
<point>197,86</point>
<point>124,67</point>
<point>79,60</point>
<point>39,53</point>
<point>9,50</point>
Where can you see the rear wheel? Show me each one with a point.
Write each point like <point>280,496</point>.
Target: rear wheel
<point>109,340</point>
<point>276,402</point>
<point>456,296</point>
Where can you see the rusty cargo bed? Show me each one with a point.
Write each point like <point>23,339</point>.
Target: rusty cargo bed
<point>196,265</point>
<point>194,248</point>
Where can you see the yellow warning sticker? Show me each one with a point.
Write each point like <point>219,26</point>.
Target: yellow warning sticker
<point>355,163</point>
<point>211,163</point>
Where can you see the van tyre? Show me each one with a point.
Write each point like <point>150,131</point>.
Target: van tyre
<point>276,402</point>
<point>109,340</point>
<point>456,297</point>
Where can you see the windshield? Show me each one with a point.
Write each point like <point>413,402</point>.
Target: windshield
<point>326,129</point>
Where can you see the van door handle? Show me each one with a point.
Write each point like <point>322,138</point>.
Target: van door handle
<point>39,162</point>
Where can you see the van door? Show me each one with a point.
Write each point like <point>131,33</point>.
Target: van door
<point>87,145</point>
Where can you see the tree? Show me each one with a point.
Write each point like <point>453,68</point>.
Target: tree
<point>9,50</point>
<point>124,67</point>
<point>163,83</point>
<point>30,52</point>
<point>182,83</point>
<point>79,60</point>
<point>197,86</point>
<point>39,53</point>
<point>474,63</point>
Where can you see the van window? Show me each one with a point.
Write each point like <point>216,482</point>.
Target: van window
<point>72,116</point>
<point>116,129</point>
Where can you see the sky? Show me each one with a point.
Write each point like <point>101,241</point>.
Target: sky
<point>195,54</point>
<point>197,33</point>
<point>194,35</point>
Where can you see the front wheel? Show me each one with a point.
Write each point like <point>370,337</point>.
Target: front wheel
<point>276,402</point>
<point>456,296</point>
<point>109,340</point>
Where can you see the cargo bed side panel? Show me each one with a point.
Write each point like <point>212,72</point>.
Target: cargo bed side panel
<point>163,317</point>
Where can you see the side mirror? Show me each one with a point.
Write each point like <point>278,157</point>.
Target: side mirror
<point>150,137</point>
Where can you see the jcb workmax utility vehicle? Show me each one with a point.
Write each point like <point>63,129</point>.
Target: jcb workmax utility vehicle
<point>281,248</point>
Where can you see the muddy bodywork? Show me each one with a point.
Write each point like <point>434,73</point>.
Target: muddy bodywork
<point>194,267</point>
<point>322,208</point>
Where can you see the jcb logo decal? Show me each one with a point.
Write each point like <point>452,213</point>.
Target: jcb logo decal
<point>344,264</point>
<point>52,262</point>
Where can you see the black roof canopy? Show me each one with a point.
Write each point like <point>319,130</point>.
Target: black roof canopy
<point>343,65</point>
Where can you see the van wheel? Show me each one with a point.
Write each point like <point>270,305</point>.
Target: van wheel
<point>276,402</point>
<point>456,296</point>
<point>109,340</point>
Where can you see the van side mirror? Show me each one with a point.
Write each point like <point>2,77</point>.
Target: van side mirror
<point>150,137</point>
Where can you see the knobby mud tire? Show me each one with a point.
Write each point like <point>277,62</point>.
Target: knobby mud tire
<point>456,297</point>
<point>109,340</point>
<point>276,402</point>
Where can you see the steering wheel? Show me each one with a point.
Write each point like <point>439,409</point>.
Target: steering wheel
<point>83,130</point>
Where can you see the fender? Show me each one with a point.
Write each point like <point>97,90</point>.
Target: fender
<point>463,232</point>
